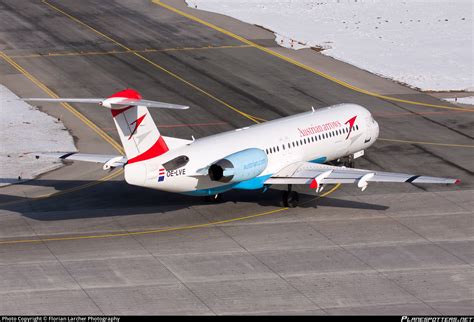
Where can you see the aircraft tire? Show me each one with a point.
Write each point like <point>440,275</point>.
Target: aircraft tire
<point>293,199</point>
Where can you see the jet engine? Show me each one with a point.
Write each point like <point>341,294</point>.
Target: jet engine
<point>239,166</point>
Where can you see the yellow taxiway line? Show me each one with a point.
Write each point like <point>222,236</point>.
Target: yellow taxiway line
<point>118,52</point>
<point>60,193</point>
<point>139,55</point>
<point>120,149</point>
<point>67,106</point>
<point>254,119</point>
<point>162,230</point>
<point>80,116</point>
<point>299,64</point>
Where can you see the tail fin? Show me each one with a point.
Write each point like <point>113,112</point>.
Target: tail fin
<point>140,137</point>
<point>137,130</point>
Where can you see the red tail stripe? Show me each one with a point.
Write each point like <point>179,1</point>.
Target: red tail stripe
<point>116,112</point>
<point>128,93</point>
<point>157,149</point>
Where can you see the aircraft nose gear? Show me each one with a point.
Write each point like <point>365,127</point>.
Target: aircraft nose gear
<point>347,161</point>
<point>290,198</point>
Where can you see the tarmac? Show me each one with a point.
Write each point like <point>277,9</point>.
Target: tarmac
<point>79,240</point>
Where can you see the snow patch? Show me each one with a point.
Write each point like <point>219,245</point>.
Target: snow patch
<point>25,129</point>
<point>462,100</point>
<point>427,44</point>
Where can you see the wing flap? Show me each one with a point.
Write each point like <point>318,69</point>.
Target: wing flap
<point>306,172</point>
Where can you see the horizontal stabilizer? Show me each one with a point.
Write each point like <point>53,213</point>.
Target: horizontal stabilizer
<point>109,161</point>
<point>110,102</point>
<point>65,100</point>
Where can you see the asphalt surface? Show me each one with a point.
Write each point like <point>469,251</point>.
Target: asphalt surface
<point>394,249</point>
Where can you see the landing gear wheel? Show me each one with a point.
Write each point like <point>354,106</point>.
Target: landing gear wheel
<point>289,198</point>
<point>293,199</point>
<point>350,164</point>
<point>347,162</point>
<point>214,198</point>
<point>284,199</point>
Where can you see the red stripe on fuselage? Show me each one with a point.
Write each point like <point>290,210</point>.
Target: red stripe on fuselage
<point>157,149</point>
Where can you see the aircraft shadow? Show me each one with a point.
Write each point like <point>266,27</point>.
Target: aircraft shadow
<point>117,198</point>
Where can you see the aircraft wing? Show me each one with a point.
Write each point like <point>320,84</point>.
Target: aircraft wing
<point>109,161</point>
<point>315,175</point>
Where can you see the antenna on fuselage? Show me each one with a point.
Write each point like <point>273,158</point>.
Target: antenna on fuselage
<point>312,107</point>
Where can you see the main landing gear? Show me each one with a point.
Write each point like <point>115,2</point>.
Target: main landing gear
<point>289,198</point>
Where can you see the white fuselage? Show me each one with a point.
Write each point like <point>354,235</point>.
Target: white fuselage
<point>318,136</point>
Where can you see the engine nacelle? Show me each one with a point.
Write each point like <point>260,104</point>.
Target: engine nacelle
<point>239,166</point>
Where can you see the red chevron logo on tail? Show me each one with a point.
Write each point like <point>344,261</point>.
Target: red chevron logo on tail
<point>137,123</point>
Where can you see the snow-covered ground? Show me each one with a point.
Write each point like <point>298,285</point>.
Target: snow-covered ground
<point>24,129</point>
<point>426,44</point>
<point>462,100</point>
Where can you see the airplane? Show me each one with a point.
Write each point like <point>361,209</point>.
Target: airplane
<point>293,150</point>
